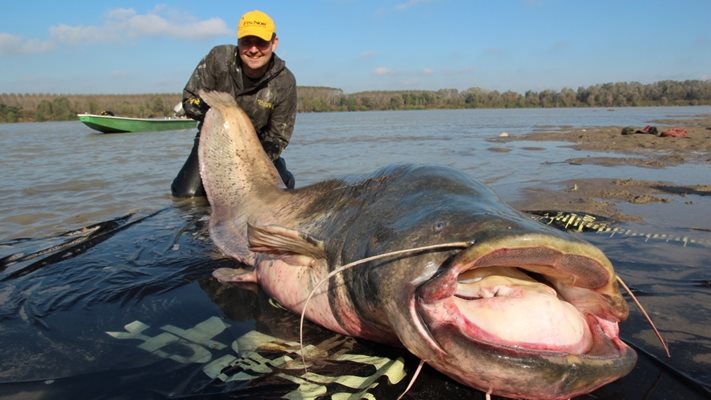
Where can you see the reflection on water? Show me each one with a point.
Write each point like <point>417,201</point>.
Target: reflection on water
<point>127,309</point>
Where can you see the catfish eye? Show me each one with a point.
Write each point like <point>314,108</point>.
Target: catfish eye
<point>439,226</point>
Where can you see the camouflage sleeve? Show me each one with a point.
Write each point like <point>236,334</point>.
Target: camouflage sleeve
<point>201,78</point>
<point>281,124</point>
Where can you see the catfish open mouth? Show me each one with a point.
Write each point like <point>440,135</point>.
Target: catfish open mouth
<point>533,294</point>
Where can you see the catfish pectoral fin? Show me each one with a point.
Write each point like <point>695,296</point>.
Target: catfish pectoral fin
<point>280,240</point>
<point>235,275</point>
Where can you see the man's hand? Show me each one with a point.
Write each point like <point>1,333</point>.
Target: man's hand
<point>195,108</point>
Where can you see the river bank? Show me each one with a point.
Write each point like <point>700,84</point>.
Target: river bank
<point>604,196</point>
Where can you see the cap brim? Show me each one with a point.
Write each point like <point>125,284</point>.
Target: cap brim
<point>260,33</point>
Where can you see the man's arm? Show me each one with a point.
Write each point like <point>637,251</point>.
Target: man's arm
<point>278,132</point>
<point>202,78</point>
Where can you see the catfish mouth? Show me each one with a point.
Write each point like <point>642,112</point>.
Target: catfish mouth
<point>527,296</point>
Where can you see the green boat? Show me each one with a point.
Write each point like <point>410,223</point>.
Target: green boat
<point>113,124</point>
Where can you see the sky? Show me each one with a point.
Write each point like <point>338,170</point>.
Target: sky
<point>127,47</point>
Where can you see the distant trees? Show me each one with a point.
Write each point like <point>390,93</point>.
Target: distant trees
<point>15,107</point>
<point>9,113</point>
<point>48,107</point>
<point>57,109</point>
<point>621,94</point>
<point>316,98</point>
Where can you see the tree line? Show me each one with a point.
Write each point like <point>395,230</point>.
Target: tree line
<point>621,94</point>
<point>63,107</point>
<point>40,107</point>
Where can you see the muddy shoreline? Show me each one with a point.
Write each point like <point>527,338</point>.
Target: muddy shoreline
<point>604,196</point>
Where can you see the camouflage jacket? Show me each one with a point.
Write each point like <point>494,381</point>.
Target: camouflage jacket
<point>270,104</point>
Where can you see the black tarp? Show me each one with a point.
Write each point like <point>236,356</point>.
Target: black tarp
<point>127,309</point>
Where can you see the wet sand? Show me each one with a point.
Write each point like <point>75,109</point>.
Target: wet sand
<point>604,196</point>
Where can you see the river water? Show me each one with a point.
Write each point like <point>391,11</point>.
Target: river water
<point>127,310</point>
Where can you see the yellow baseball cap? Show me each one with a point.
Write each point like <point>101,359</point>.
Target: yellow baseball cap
<point>256,23</point>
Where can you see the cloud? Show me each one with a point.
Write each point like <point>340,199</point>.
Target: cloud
<point>13,44</point>
<point>77,34</point>
<point>125,23</point>
<point>383,71</point>
<point>120,25</point>
<point>172,25</point>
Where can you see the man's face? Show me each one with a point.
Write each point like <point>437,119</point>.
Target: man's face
<point>255,53</point>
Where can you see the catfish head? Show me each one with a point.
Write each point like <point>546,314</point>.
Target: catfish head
<point>526,311</point>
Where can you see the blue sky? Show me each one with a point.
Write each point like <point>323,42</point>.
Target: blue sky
<point>152,47</point>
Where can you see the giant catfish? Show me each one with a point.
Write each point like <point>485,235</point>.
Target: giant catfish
<point>524,311</point>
